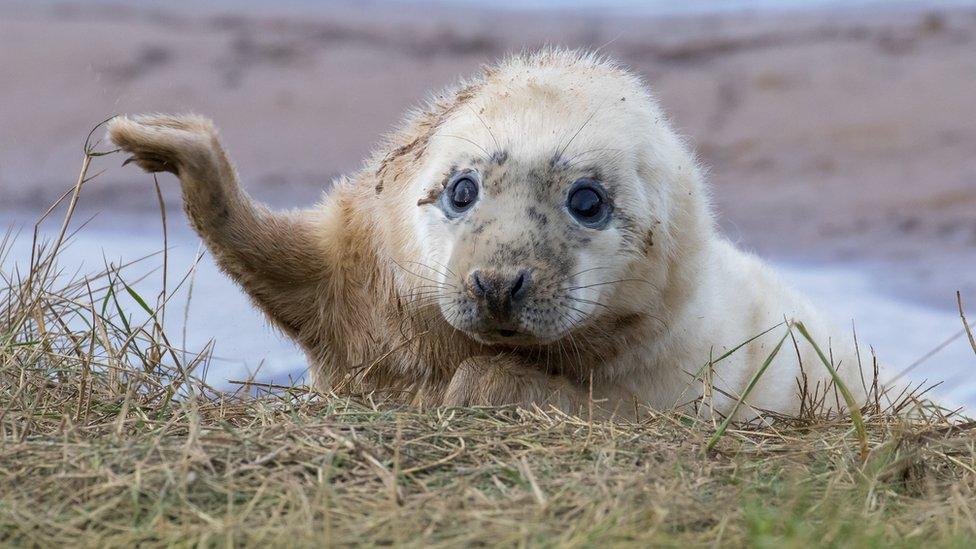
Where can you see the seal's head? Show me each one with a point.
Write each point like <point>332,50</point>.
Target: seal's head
<point>549,194</point>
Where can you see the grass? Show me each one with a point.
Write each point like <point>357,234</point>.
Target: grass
<point>109,438</point>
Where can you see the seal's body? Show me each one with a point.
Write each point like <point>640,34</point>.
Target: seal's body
<point>536,236</point>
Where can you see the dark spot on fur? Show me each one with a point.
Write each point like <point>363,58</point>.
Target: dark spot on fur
<point>538,217</point>
<point>510,254</point>
<point>648,241</point>
<point>464,95</point>
<point>481,226</point>
<point>399,152</point>
<point>627,322</point>
<point>218,211</point>
<point>631,232</point>
<point>499,157</point>
<point>430,198</point>
<point>541,183</point>
<point>557,261</point>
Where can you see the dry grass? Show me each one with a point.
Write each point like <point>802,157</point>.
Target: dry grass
<point>108,438</point>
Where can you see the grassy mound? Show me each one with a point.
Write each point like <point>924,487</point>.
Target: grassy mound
<point>108,438</point>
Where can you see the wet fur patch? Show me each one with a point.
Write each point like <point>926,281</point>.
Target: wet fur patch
<point>430,198</point>
<point>399,160</point>
<point>648,241</point>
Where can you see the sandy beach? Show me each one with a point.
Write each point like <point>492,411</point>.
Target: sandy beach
<point>829,136</point>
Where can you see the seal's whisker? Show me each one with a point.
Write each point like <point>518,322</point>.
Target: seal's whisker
<point>609,282</point>
<point>446,268</point>
<point>422,301</point>
<point>423,277</point>
<point>427,287</point>
<point>588,151</point>
<point>426,266</point>
<point>485,124</point>
<point>588,301</point>
<point>577,273</point>
<point>484,152</point>
<point>565,324</point>
<point>575,159</point>
<point>579,356</point>
<point>583,314</point>
<point>580,321</point>
<point>416,297</point>
<point>413,298</point>
<point>582,126</point>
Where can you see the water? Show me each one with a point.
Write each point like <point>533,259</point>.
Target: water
<point>899,331</point>
<point>216,309</point>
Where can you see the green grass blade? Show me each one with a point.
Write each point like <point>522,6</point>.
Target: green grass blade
<point>142,302</point>
<point>852,405</point>
<point>731,351</point>
<point>745,394</point>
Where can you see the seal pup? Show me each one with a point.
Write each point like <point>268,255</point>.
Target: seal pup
<point>536,235</point>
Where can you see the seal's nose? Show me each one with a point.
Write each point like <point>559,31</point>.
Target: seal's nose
<point>500,293</point>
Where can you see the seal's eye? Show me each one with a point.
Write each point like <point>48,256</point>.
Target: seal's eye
<point>587,202</point>
<point>461,194</point>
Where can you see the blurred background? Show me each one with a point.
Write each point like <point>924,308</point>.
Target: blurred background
<point>840,137</point>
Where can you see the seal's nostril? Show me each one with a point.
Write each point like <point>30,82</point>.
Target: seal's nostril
<point>518,284</point>
<point>478,285</point>
<point>521,285</point>
<point>497,291</point>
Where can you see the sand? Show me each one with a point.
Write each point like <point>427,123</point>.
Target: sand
<point>830,137</point>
